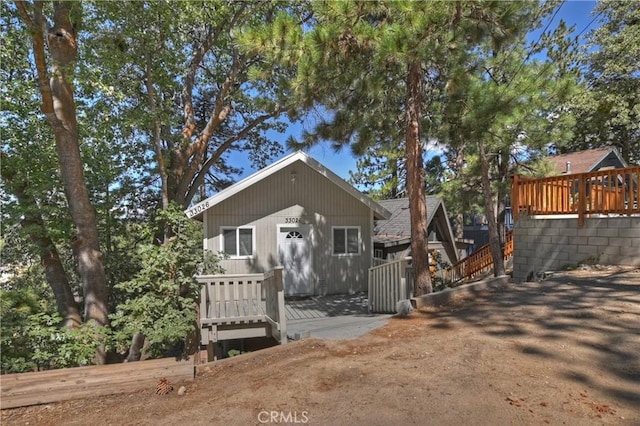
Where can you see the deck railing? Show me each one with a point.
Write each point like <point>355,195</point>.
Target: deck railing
<point>231,305</point>
<point>613,191</point>
<point>273,286</point>
<point>478,262</point>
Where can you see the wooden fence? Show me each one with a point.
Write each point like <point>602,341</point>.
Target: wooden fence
<point>43,387</point>
<point>478,262</point>
<point>613,191</point>
<point>389,283</point>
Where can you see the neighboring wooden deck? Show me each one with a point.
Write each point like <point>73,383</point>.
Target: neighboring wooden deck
<point>608,192</point>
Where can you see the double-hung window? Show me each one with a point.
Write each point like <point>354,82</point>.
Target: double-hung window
<point>346,240</point>
<point>237,242</point>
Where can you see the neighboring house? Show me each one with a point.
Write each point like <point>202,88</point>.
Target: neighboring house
<point>590,160</point>
<point>587,161</point>
<point>298,214</point>
<point>392,236</point>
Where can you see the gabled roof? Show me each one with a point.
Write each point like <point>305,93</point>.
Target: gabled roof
<point>584,161</point>
<point>399,224</point>
<point>397,229</point>
<point>196,211</point>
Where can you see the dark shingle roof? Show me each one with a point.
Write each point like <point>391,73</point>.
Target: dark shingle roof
<point>399,224</point>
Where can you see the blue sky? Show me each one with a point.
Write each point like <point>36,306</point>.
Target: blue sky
<point>574,12</point>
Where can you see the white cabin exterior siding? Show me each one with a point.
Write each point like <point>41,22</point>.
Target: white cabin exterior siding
<point>296,196</point>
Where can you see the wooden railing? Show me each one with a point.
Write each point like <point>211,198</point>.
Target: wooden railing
<point>242,306</point>
<point>273,286</point>
<point>614,191</point>
<point>388,284</point>
<point>376,261</point>
<point>478,262</point>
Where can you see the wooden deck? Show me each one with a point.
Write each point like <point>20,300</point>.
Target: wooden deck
<point>605,192</point>
<point>319,307</point>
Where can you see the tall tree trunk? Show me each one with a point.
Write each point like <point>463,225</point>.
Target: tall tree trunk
<point>49,257</point>
<point>415,181</point>
<point>59,107</point>
<point>494,237</point>
<point>459,218</point>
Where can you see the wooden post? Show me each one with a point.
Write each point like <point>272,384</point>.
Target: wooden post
<point>211,351</point>
<point>282,313</point>
<point>582,199</point>
<point>515,201</point>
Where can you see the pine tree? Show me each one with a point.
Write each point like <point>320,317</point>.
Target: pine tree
<point>607,108</point>
<point>378,68</point>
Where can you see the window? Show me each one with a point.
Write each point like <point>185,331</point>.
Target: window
<point>237,242</point>
<point>294,235</point>
<point>346,240</point>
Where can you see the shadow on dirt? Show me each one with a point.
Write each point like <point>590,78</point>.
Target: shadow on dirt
<point>589,325</point>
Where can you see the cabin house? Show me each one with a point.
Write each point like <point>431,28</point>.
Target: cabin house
<point>392,236</point>
<point>297,214</point>
<point>587,161</point>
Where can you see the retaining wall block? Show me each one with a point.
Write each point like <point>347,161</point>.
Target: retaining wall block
<point>608,232</point>
<point>598,241</point>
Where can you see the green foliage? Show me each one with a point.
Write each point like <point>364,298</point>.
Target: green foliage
<point>380,171</point>
<point>234,352</point>
<point>439,283</point>
<point>608,106</point>
<point>31,337</point>
<point>160,300</point>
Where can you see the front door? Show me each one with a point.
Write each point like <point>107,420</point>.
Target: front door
<point>294,251</point>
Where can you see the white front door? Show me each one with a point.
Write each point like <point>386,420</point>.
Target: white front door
<point>294,252</point>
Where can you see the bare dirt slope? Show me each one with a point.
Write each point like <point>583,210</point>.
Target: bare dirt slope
<point>562,351</point>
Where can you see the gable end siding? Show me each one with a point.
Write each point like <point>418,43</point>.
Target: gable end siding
<point>297,192</point>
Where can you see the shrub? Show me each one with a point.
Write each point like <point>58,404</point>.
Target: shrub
<point>160,300</point>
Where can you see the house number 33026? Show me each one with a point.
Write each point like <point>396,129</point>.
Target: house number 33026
<point>292,220</point>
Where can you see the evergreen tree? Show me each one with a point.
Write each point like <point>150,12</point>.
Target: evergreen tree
<point>511,112</point>
<point>377,68</point>
<point>608,109</point>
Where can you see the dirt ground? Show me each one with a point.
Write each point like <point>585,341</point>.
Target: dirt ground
<point>562,351</point>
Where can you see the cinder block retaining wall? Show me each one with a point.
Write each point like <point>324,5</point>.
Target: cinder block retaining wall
<point>551,244</point>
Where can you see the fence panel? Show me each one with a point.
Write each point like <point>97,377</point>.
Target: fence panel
<point>388,284</point>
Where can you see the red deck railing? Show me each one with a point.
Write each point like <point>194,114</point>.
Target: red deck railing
<point>613,191</point>
<point>478,262</point>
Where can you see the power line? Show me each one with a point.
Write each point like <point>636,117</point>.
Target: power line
<point>533,47</point>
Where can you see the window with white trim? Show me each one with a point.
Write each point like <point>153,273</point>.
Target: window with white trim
<point>346,240</point>
<point>237,242</point>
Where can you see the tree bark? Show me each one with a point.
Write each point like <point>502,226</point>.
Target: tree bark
<point>55,274</point>
<point>59,107</point>
<point>494,237</point>
<point>415,181</point>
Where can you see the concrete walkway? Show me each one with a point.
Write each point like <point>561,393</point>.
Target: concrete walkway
<point>340,316</point>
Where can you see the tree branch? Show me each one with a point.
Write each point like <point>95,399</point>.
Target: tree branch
<point>201,173</point>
